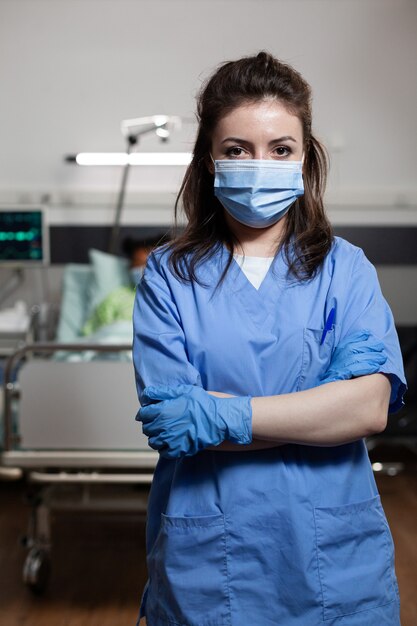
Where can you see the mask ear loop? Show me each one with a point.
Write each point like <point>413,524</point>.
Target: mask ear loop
<point>213,214</point>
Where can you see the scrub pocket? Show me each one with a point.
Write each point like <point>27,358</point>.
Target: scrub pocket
<point>355,558</point>
<point>316,356</point>
<point>188,569</point>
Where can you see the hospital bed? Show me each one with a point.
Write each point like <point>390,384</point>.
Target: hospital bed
<point>69,430</point>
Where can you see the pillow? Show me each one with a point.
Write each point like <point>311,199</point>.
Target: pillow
<point>75,301</point>
<point>109,273</point>
<point>118,306</point>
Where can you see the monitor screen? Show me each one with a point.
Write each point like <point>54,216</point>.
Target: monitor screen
<point>23,236</point>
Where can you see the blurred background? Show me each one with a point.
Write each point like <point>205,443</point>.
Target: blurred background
<point>73,506</point>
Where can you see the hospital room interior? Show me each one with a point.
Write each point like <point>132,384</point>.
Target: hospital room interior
<point>97,127</point>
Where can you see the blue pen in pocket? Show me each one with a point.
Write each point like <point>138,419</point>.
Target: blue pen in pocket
<point>329,323</point>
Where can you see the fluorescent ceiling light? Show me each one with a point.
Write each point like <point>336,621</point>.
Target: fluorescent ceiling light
<point>134,158</point>
<point>101,158</point>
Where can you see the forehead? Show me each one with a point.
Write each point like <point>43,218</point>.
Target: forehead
<point>264,118</point>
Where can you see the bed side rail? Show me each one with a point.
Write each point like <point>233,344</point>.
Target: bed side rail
<point>9,388</point>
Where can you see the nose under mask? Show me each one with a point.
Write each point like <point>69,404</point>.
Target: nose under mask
<point>258,193</point>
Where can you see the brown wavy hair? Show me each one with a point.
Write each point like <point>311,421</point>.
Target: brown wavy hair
<point>307,236</point>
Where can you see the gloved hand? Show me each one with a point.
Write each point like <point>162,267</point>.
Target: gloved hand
<point>358,355</point>
<point>182,420</point>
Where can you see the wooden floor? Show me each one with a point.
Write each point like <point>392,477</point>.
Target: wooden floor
<point>99,561</point>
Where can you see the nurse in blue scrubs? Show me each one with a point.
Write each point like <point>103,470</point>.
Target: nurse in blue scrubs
<point>264,354</point>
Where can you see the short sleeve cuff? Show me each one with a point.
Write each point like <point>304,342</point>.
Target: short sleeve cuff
<point>398,389</point>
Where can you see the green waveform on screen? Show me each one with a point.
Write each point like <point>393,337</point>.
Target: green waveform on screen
<point>20,235</point>
<point>27,219</point>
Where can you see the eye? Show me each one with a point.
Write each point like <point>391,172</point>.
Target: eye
<point>282,151</point>
<point>235,152</point>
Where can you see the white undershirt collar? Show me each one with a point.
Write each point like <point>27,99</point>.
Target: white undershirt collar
<point>255,268</point>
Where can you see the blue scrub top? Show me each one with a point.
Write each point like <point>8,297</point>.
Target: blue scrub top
<point>292,535</point>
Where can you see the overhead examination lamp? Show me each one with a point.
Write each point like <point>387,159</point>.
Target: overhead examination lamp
<point>132,130</point>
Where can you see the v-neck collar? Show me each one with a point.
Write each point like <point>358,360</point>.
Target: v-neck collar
<point>259,303</point>
<point>255,268</point>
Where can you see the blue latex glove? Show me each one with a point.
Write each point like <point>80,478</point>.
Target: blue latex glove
<point>181,421</point>
<point>359,355</point>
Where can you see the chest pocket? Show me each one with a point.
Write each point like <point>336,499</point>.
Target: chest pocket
<point>316,356</point>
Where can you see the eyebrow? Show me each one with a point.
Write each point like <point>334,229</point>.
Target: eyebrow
<point>239,140</point>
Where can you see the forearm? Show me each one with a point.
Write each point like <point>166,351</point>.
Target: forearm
<point>328,415</point>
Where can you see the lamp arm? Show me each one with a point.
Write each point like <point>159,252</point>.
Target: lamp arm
<point>114,237</point>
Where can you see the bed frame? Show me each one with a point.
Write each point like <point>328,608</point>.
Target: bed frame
<point>70,430</point>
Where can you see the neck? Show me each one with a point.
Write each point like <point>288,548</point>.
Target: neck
<point>262,242</point>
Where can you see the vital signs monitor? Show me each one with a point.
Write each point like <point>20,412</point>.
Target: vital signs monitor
<point>23,236</point>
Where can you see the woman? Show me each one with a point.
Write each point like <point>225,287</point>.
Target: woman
<point>264,354</point>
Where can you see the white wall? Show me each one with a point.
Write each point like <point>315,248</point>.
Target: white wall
<point>71,70</point>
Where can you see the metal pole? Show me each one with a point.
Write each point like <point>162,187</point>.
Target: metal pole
<point>11,284</point>
<point>114,238</point>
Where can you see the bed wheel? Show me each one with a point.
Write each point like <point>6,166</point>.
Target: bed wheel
<point>36,570</point>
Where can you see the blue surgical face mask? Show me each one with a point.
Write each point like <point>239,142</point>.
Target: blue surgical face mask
<point>136,273</point>
<point>258,193</point>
